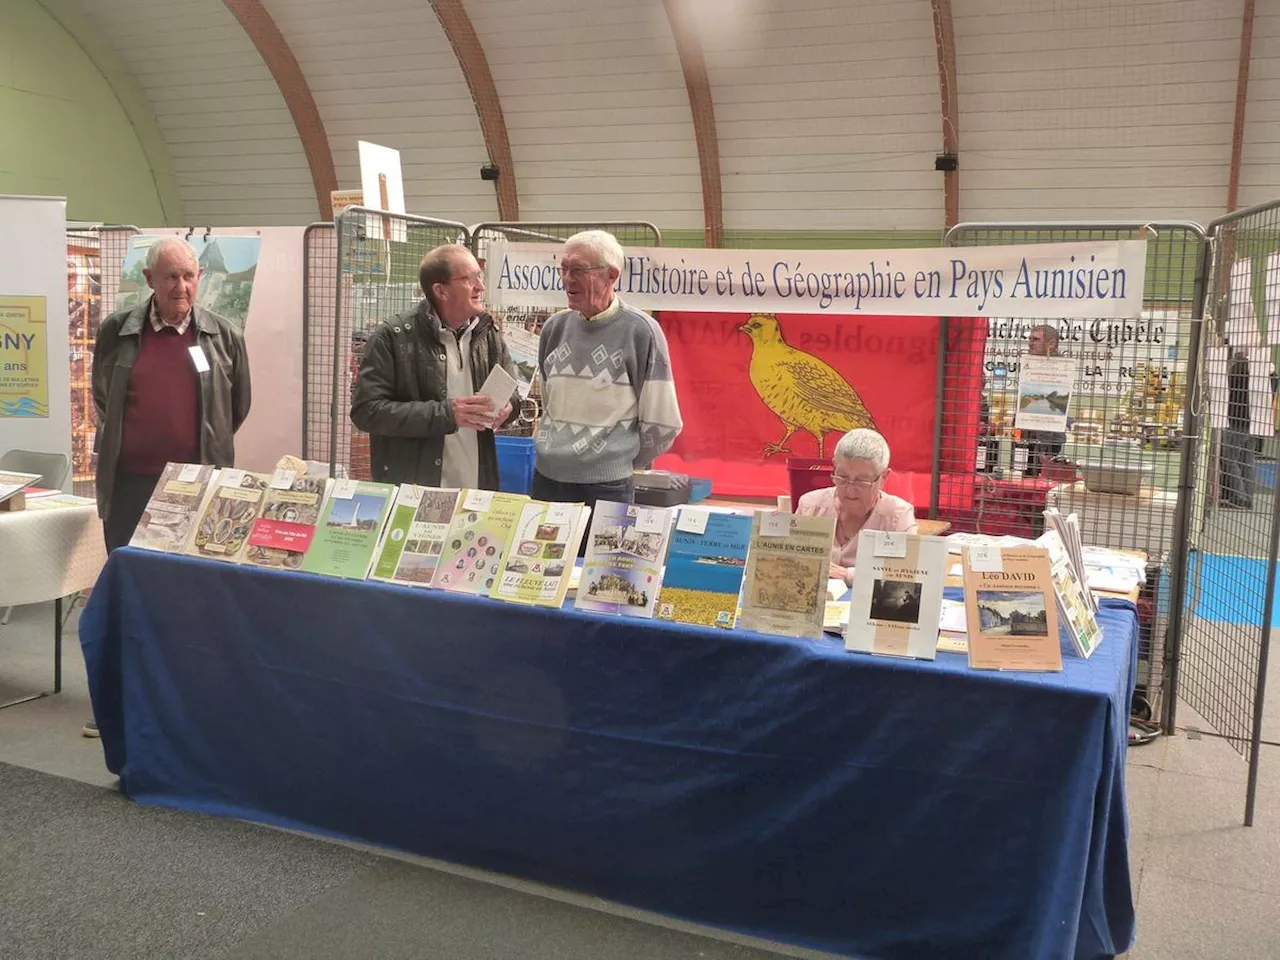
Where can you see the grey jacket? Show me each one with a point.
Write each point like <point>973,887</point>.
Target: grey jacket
<point>224,388</point>
<point>401,396</point>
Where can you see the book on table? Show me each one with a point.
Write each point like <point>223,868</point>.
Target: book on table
<point>705,565</point>
<point>482,526</point>
<point>784,586</point>
<point>541,553</point>
<point>13,483</point>
<point>170,515</point>
<point>349,529</point>
<point>897,594</point>
<point>1074,609</point>
<point>1012,609</point>
<point>231,505</point>
<point>622,568</point>
<point>283,532</point>
<point>414,538</point>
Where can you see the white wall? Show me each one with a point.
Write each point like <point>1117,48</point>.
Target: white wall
<point>33,263</point>
<point>1260,162</point>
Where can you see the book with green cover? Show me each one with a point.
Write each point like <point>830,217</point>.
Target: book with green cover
<point>539,559</point>
<point>414,537</point>
<point>478,534</point>
<point>349,529</point>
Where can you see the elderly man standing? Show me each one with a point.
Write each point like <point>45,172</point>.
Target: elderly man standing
<point>416,392</point>
<point>170,384</point>
<point>609,403</point>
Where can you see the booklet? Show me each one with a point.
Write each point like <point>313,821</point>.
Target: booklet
<point>349,529</point>
<point>290,511</point>
<point>622,569</point>
<point>705,566</point>
<point>785,584</point>
<point>1012,610</point>
<point>414,537</point>
<point>482,526</point>
<point>170,514</point>
<point>538,560</point>
<point>1073,605</point>
<point>230,507</point>
<point>897,594</point>
<point>499,386</point>
<point>12,484</point>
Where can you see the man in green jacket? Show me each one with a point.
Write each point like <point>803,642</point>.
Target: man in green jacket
<point>416,392</point>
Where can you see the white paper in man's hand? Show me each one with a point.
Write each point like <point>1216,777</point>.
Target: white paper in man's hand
<point>498,386</point>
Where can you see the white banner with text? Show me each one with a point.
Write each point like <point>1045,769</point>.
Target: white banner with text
<point>1051,280</point>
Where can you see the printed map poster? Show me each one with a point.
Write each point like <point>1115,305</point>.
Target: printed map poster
<point>227,269</point>
<point>24,358</point>
<point>1044,392</point>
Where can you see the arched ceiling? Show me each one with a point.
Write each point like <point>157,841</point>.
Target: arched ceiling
<point>715,117</point>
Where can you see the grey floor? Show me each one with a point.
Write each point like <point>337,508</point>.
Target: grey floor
<point>1206,886</point>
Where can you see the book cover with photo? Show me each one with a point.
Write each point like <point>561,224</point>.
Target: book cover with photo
<point>1044,393</point>
<point>1074,607</point>
<point>287,524</point>
<point>170,514</point>
<point>482,526</point>
<point>231,505</point>
<point>1012,609</point>
<point>897,600</point>
<point>349,529</point>
<point>704,572</point>
<point>541,555</point>
<point>622,568</point>
<point>785,583</point>
<point>414,538</point>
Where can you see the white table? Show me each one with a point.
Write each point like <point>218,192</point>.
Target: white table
<point>48,552</point>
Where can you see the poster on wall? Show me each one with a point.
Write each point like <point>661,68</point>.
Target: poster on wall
<point>227,269</point>
<point>1044,392</point>
<point>24,358</point>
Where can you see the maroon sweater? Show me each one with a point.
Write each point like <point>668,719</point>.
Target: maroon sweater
<point>162,406</point>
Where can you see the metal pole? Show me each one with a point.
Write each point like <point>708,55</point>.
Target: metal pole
<point>306,337</point>
<point>1186,499</point>
<point>337,350</point>
<point>935,478</point>
<point>1260,687</point>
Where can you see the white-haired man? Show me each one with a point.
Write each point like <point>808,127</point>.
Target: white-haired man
<point>170,384</point>
<point>609,403</point>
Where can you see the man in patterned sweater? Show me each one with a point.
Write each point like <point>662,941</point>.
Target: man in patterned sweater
<point>609,403</point>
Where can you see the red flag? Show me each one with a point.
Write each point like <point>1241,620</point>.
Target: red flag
<point>756,389</point>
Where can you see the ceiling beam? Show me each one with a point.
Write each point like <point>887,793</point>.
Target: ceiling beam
<point>275,53</point>
<point>944,35</point>
<point>1242,99</point>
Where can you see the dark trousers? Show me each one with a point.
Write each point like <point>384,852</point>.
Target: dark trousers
<point>553,491</point>
<point>129,498</point>
<point>1236,468</point>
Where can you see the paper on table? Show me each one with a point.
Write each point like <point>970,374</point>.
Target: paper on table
<point>952,618</point>
<point>345,489</point>
<point>559,512</point>
<point>985,557</point>
<point>835,614</point>
<point>649,521</point>
<point>774,524</point>
<point>231,478</point>
<point>478,500</point>
<point>889,543</point>
<point>282,479</point>
<point>190,473</point>
<point>692,520</point>
<point>836,588</point>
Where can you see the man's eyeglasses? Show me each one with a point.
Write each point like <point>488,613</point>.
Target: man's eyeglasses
<point>472,278</point>
<point>840,481</point>
<point>577,273</point>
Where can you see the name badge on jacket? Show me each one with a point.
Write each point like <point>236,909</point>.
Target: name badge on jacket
<point>199,359</point>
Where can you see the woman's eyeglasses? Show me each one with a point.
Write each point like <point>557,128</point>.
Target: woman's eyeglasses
<point>857,484</point>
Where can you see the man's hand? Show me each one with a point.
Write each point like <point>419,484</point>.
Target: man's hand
<point>473,413</point>
<point>502,414</point>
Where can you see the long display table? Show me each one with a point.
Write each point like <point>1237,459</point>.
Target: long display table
<point>786,789</point>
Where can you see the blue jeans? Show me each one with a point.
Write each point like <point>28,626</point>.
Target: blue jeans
<point>619,491</point>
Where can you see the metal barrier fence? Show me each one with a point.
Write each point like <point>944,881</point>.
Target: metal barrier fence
<point>1122,463</point>
<point>319,338</point>
<point>1233,540</point>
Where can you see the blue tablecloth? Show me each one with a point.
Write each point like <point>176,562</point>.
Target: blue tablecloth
<point>787,789</point>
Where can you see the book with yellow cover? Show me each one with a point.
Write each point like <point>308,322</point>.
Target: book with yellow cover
<point>785,584</point>
<point>482,526</point>
<point>537,562</point>
<point>1011,607</point>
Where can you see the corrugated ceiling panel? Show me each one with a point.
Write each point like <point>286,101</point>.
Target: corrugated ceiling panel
<point>1260,166</point>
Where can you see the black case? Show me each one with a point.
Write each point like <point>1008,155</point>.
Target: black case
<point>661,488</point>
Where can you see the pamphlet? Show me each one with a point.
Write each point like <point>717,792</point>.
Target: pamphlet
<point>283,533</point>
<point>349,529</point>
<point>171,513</point>
<point>1012,610</point>
<point>704,569</point>
<point>499,386</point>
<point>785,582</point>
<point>1044,392</point>
<point>897,600</point>
<point>538,560</point>
<point>12,483</point>
<point>622,569</point>
<point>230,507</point>
<point>482,526</point>
<point>1073,605</point>
<point>414,537</point>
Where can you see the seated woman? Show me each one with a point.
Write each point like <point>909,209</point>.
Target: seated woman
<point>860,464</point>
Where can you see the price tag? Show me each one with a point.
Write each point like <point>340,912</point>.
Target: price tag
<point>692,520</point>
<point>411,494</point>
<point>889,543</point>
<point>199,359</point>
<point>231,477</point>
<point>985,558</point>
<point>345,489</point>
<point>774,524</point>
<point>283,479</point>
<point>559,512</point>
<point>478,500</point>
<point>189,473</point>
<point>784,503</point>
<point>649,521</point>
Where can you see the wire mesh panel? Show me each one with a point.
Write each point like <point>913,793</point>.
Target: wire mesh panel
<point>521,326</point>
<point>1232,567</point>
<point>1114,456</point>
<point>375,278</point>
<point>319,336</point>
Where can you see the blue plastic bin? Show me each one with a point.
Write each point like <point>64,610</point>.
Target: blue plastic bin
<point>515,464</point>
<point>699,489</point>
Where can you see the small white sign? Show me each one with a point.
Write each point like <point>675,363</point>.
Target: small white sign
<point>231,477</point>
<point>648,521</point>
<point>985,558</point>
<point>775,524</point>
<point>559,512</point>
<point>190,473</point>
<point>199,359</point>
<point>411,494</point>
<point>283,479</point>
<point>345,489</point>
<point>692,520</point>
<point>890,543</point>
<point>1019,460</point>
<point>478,500</point>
